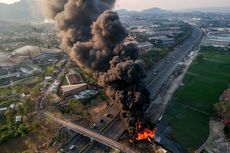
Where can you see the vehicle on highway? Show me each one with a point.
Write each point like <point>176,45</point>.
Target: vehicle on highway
<point>108,115</point>
<point>72,147</point>
<point>93,125</point>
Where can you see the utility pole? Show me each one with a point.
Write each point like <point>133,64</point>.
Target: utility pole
<point>40,50</point>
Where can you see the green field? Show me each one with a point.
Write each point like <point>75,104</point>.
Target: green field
<point>192,106</point>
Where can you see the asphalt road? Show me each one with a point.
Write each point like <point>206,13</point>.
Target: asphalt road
<point>95,136</point>
<point>156,77</point>
<point>109,127</point>
<point>165,68</point>
<point>113,131</point>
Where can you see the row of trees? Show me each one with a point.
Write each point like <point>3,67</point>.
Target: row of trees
<point>187,31</point>
<point>153,56</point>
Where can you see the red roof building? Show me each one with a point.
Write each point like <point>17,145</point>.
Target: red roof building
<point>74,78</point>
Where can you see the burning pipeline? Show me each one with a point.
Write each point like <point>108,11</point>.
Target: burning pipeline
<point>93,36</point>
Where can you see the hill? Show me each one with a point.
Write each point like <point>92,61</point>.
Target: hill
<point>24,10</point>
<point>155,10</point>
<point>208,10</point>
<point>124,11</point>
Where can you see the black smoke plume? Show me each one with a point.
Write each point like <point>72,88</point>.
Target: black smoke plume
<point>94,37</point>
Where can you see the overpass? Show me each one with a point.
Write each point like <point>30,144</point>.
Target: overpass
<point>91,134</point>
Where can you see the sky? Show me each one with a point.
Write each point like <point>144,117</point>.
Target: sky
<point>8,1</point>
<point>164,4</point>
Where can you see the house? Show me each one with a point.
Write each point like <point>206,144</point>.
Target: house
<point>226,122</point>
<point>68,90</point>
<point>48,78</point>
<point>18,119</point>
<point>163,39</point>
<point>12,106</point>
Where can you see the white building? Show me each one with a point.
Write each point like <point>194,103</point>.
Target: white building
<point>3,110</point>
<point>18,119</point>
<point>217,40</point>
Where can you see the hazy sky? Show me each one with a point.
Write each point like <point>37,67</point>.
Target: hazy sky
<point>166,4</point>
<point>8,1</point>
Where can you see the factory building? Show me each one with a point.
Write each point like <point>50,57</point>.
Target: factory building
<point>68,90</point>
<point>217,40</point>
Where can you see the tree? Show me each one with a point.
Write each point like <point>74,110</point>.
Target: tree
<point>23,129</point>
<point>102,95</point>
<point>28,106</point>
<point>35,92</point>
<point>39,79</point>
<point>10,113</point>
<point>50,70</point>
<point>75,105</point>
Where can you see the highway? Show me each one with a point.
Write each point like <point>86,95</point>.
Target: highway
<point>83,143</point>
<point>156,77</point>
<point>91,134</point>
<point>114,130</point>
<point>154,82</point>
<point>164,69</point>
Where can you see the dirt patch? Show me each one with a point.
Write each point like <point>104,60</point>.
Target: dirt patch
<point>101,107</point>
<point>98,110</point>
<point>14,145</point>
<point>217,141</point>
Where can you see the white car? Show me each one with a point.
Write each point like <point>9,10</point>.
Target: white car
<point>72,147</point>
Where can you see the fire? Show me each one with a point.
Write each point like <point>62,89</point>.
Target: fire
<point>145,134</point>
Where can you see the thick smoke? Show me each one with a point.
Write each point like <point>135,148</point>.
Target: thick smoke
<point>94,38</point>
<point>54,7</point>
<point>107,34</point>
<point>73,18</point>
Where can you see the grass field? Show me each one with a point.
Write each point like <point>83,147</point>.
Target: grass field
<point>192,106</point>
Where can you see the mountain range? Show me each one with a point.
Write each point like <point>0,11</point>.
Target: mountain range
<point>153,10</point>
<point>28,10</point>
<point>208,10</point>
<point>24,10</point>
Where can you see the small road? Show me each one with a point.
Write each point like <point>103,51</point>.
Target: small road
<point>93,135</point>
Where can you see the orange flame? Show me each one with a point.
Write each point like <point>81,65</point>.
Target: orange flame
<point>145,134</point>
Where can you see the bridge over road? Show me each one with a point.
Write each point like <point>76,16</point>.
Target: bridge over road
<point>91,134</point>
